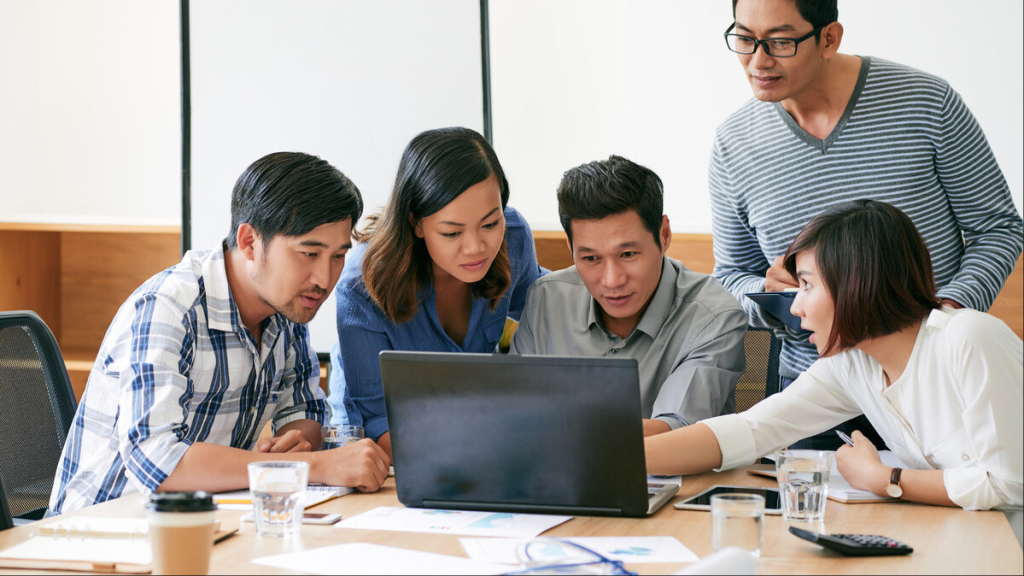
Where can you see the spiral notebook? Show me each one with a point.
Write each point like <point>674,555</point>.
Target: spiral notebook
<point>315,494</point>
<point>113,545</point>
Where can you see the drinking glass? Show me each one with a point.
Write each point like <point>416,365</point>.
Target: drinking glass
<point>737,520</point>
<point>803,483</point>
<point>278,496</point>
<point>338,436</point>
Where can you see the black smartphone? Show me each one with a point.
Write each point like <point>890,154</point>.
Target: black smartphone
<point>702,501</point>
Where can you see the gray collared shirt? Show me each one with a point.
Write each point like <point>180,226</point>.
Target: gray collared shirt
<point>688,344</point>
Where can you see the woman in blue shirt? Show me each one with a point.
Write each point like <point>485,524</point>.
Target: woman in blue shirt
<point>439,270</point>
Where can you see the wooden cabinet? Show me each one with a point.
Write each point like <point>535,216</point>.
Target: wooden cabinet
<point>77,276</point>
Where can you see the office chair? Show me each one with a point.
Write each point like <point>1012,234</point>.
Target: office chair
<point>5,512</point>
<point>37,405</point>
<point>761,379</point>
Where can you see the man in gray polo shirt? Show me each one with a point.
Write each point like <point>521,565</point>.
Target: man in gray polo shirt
<point>626,298</point>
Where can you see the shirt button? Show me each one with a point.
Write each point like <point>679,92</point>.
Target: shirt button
<point>615,350</point>
<point>965,457</point>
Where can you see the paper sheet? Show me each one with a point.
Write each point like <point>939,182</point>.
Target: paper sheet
<point>453,522</point>
<point>628,549</point>
<point>729,560</point>
<point>359,558</point>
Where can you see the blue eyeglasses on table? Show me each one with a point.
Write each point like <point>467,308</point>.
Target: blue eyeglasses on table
<point>598,565</point>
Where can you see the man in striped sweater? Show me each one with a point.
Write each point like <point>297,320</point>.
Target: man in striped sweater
<point>824,128</point>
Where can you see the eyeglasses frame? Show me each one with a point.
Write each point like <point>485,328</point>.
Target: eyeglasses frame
<point>764,43</point>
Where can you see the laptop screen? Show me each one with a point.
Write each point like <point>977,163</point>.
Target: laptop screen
<point>516,433</point>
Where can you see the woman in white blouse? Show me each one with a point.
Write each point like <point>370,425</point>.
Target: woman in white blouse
<point>942,386</point>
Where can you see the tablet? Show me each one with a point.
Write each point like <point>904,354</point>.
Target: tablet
<point>702,501</point>
<point>777,304</point>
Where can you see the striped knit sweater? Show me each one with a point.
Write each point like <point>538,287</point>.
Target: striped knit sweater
<point>905,138</point>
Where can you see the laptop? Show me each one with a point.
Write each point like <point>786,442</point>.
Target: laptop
<point>506,433</point>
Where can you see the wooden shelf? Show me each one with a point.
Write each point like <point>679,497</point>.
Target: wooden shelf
<point>101,228</point>
<point>76,276</point>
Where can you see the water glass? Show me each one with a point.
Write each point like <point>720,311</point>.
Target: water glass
<point>803,483</point>
<point>737,520</point>
<point>338,436</point>
<point>278,496</point>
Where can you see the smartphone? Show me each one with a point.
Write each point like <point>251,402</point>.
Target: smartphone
<point>702,501</point>
<point>320,518</point>
<point>308,517</point>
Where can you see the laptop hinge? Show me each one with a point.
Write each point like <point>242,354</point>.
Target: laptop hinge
<point>523,508</point>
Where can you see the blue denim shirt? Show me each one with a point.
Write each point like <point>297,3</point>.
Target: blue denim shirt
<point>363,330</point>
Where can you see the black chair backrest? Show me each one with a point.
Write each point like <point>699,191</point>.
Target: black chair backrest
<point>762,376</point>
<point>5,512</point>
<point>37,405</point>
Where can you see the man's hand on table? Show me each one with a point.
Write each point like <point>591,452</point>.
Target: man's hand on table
<point>290,441</point>
<point>361,465</point>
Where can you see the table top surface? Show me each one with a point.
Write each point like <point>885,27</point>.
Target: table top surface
<point>945,540</point>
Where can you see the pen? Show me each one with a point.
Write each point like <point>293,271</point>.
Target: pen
<point>845,438</point>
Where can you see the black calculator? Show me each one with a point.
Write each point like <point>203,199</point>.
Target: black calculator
<point>855,544</point>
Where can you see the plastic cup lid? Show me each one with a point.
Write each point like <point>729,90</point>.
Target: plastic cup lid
<point>198,501</point>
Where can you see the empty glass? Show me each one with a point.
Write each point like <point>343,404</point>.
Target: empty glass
<point>278,496</point>
<point>338,436</point>
<point>803,483</point>
<point>737,520</point>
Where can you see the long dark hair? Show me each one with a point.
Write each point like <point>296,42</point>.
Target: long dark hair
<point>437,166</point>
<point>875,266</point>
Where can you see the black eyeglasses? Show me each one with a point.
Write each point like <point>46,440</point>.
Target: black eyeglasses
<point>774,47</point>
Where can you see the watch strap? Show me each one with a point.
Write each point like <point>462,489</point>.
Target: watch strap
<point>893,489</point>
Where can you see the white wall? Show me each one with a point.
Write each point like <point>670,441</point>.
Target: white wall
<point>90,105</point>
<point>351,82</point>
<point>90,112</point>
<point>577,80</point>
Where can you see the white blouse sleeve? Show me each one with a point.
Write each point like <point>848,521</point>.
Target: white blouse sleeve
<point>814,402</point>
<point>986,359</point>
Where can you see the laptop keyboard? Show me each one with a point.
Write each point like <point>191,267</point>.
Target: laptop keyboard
<point>658,495</point>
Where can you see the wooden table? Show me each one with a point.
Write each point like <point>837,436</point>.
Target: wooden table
<point>945,540</point>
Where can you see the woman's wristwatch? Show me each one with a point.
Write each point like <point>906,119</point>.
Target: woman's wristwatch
<point>893,489</point>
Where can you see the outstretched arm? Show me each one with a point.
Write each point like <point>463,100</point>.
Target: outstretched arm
<point>687,450</point>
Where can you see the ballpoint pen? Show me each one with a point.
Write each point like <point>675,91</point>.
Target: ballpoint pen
<point>845,438</point>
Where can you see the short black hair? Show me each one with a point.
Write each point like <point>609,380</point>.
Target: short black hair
<point>291,193</point>
<point>608,187</point>
<point>875,266</point>
<point>818,12</point>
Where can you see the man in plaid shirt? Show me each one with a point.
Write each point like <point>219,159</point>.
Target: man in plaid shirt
<point>205,353</point>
